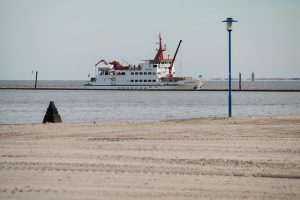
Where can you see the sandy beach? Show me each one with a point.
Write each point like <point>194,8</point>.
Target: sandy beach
<point>205,158</point>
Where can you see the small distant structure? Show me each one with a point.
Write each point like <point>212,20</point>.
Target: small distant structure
<point>252,76</point>
<point>240,81</point>
<point>52,115</point>
<point>36,75</point>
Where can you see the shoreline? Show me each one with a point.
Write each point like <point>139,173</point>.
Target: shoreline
<point>209,118</point>
<point>200,90</point>
<point>197,158</point>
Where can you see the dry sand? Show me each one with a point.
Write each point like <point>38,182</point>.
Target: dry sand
<point>208,158</point>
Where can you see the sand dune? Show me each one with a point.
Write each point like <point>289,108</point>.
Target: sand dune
<point>206,158</point>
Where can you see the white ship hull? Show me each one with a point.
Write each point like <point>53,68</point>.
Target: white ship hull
<point>193,85</point>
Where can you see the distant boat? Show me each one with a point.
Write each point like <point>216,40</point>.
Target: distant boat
<point>155,74</point>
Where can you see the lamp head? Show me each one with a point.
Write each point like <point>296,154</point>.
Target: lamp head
<point>229,23</point>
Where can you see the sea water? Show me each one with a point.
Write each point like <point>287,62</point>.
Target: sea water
<point>29,106</point>
<point>250,85</point>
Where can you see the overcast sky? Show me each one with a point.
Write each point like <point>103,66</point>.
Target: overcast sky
<point>63,39</point>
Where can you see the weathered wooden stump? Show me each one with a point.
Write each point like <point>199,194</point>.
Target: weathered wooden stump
<point>52,115</point>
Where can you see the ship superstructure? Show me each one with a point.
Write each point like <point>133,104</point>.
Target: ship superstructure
<point>154,74</point>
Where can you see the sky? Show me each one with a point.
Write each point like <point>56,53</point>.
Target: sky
<point>63,39</point>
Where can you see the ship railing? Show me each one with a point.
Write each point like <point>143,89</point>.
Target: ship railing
<point>174,79</point>
<point>133,68</point>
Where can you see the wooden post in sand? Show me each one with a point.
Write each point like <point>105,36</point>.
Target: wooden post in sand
<point>52,115</point>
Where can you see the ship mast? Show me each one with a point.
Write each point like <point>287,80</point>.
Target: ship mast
<point>159,55</point>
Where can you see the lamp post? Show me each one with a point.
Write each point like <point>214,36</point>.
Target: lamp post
<point>229,29</point>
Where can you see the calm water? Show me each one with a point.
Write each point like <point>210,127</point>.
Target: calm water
<point>279,85</point>
<point>29,106</point>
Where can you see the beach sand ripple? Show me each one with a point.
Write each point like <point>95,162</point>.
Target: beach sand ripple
<point>203,158</point>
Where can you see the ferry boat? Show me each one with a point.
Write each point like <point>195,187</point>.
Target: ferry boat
<point>154,74</point>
